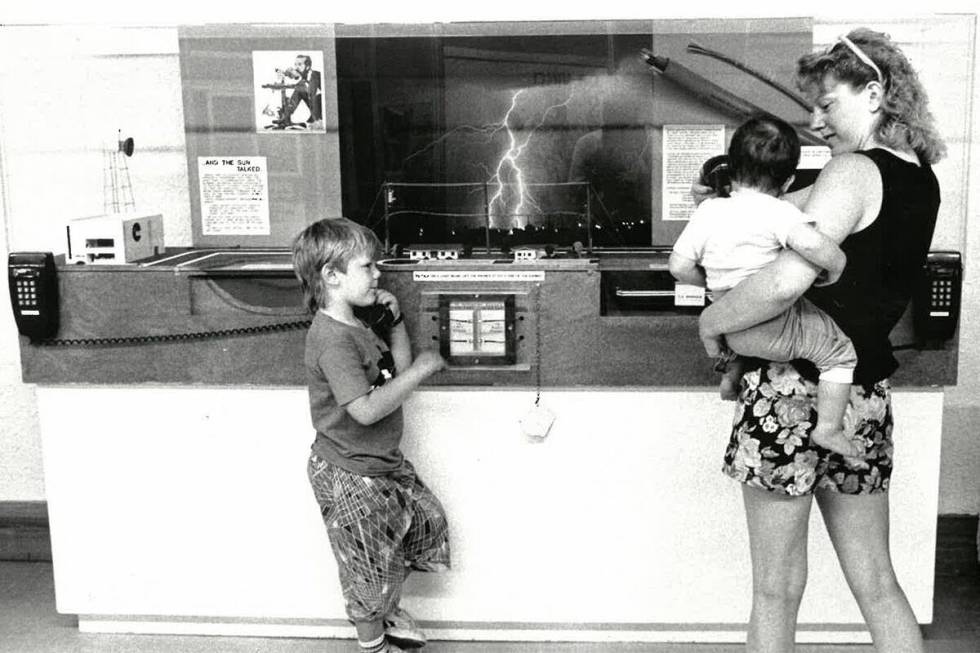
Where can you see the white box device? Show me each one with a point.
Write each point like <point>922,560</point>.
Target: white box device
<point>115,238</point>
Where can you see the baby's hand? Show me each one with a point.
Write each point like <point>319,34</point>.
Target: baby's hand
<point>700,192</point>
<point>429,362</point>
<point>389,300</point>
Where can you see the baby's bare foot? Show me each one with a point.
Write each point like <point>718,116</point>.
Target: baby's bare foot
<point>728,388</point>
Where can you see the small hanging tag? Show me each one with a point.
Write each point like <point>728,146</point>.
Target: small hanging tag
<point>537,422</point>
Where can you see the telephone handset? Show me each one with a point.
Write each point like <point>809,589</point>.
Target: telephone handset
<point>33,282</point>
<point>377,316</point>
<point>716,175</point>
<point>936,303</point>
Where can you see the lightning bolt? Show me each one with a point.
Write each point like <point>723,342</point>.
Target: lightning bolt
<point>508,162</point>
<point>486,130</point>
<point>507,178</point>
<point>508,167</point>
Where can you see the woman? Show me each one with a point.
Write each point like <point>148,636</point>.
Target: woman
<point>878,198</point>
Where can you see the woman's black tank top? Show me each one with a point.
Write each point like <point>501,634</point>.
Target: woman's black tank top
<point>884,262</point>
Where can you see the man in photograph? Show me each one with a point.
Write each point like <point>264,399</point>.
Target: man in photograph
<point>307,90</point>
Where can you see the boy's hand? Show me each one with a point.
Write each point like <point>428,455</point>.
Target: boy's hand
<point>388,300</point>
<point>828,277</point>
<point>429,362</point>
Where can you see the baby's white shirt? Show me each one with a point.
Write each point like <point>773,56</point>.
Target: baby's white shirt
<point>734,237</point>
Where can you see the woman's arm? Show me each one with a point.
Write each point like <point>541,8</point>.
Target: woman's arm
<point>799,197</point>
<point>847,193</point>
<point>819,250</point>
<point>759,298</point>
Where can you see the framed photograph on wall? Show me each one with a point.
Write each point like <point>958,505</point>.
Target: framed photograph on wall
<point>288,87</point>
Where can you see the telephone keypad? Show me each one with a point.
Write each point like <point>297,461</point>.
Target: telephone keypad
<point>33,285</point>
<point>942,293</point>
<point>27,293</point>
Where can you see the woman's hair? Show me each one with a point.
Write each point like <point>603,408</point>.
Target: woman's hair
<point>905,117</point>
<point>764,153</point>
<point>330,243</point>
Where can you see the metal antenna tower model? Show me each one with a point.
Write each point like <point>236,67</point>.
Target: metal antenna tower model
<point>117,188</point>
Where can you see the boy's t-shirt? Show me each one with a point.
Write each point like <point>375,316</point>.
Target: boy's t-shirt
<point>344,362</point>
<point>734,237</point>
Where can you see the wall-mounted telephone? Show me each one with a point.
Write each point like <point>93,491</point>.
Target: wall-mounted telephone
<point>33,282</point>
<point>937,299</point>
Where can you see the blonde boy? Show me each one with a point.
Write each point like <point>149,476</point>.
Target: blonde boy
<point>382,521</point>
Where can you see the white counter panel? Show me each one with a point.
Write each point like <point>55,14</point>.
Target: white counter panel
<point>192,503</point>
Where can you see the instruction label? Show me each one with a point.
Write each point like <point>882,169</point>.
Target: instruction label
<point>234,195</point>
<point>688,295</point>
<point>478,275</point>
<point>685,149</point>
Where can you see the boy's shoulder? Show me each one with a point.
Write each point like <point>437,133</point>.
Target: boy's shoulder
<point>323,323</point>
<point>334,340</point>
<point>326,330</point>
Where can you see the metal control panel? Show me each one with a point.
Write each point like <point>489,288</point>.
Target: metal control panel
<point>477,329</point>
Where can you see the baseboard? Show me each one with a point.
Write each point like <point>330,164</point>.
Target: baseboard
<point>24,532</point>
<point>957,543</point>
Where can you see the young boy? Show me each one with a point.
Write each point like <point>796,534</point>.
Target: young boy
<point>733,237</point>
<point>381,520</point>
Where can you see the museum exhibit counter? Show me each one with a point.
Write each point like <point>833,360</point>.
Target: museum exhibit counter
<point>175,428</point>
<point>235,316</point>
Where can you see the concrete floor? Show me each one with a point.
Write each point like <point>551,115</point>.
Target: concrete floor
<point>30,624</point>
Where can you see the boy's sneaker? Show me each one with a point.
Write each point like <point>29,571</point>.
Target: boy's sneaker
<point>384,646</point>
<point>400,627</point>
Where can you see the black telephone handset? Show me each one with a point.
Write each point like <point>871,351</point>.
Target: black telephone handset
<point>936,304</point>
<point>377,316</point>
<point>715,174</point>
<point>33,282</point>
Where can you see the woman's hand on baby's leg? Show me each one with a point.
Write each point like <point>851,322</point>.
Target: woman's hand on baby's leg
<point>834,439</point>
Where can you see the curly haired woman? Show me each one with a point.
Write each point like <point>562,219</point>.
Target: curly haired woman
<point>878,198</point>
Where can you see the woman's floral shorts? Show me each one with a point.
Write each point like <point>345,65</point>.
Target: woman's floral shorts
<point>770,446</point>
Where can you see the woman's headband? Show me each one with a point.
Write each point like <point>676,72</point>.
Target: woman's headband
<point>863,57</point>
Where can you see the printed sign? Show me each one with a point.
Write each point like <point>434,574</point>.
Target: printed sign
<point>688,295</point>
<point>234,195</point>
<point>478,275</point>
<point>686,148</point>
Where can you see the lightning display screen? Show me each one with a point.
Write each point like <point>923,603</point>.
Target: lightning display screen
<point>477,329</point>
<point>506,134</point>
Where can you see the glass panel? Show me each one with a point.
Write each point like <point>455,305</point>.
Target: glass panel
<point>471,137</point>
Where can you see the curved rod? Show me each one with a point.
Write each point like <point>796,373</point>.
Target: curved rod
<point>715,95</point>
<point>696,48</point>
